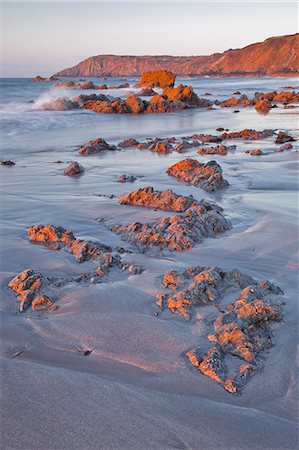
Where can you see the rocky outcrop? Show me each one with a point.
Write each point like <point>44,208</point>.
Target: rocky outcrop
<point>74,169</point>
<point>243,332</point>
<point>186,95</point>
<point>247,134</point>
<point>96,146</point>
<point>197,286</point>
<point>58,238</point>
<point>207,176</point>
<point>263,106</point>
<point>273,57</point>
<point>176,233</point>
<point>28,286</point>
<point>163,200</point>
<point>157,78</point>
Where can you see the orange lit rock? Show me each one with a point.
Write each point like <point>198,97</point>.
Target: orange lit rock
<point>74,169</point>
<point>96,146</point>
<point>207,176</point>
<point>157,78</point>
<point>263,106</point>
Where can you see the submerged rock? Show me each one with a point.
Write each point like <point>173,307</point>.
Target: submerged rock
<point>74,169</point>
<point>283,137</point>
<point>255,152</point>
<point>207,176</point>
<point>127,179</point>
<point>60,104</point>
<point>7,163</point>
<point>96,146</point>
<point>218,150</point>
<point>157,78</point>
<point>284,147</point>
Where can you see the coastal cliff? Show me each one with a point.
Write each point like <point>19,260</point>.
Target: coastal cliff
<point>276,56</point>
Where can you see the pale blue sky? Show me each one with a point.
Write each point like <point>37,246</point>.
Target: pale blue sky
<point>44,37</point>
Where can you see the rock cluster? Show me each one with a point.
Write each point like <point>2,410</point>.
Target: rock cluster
<point>161,145</point>
<point>217,150</point>
<point>207,176</point>
<point>176,233</point>
<point>247,134</point>
<point>171,99</point>
<point>242,332</point>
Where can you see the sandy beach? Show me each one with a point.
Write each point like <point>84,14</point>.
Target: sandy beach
<point>107,369</point>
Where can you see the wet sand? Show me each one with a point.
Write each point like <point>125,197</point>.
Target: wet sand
<point>136,390</point>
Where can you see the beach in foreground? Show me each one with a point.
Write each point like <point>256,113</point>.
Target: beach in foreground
<point>108,369</point>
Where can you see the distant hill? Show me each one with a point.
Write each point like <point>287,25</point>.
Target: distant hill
<point>276,56</point>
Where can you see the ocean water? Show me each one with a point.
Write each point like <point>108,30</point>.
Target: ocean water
<point>136,375</point>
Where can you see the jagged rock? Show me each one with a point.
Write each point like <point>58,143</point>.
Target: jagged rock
<point>247,134</point>
<point>86,85</point>
<point>135,104</point>
<point>60,104</point>
<point>179,232</point>
<point>201,286</point>
<point>243,332</point>
<point>7,163</point>
<point>207,176</point>
<point>286,97</point>
<point>284,147</point>
<point>74,169</point>
<point>283,137</point>
<point>127,179</point>
<point>185,94</point>
<point>218,150</point>
<point>51,234</point>
<point>157,78</point>
<point>27,286</point>
<point>161,104</point>
<point>163,200</point>
<point>263,106</point>
<point>96,146</point>
<point>42,303</point>
<point>129,143</point>
<point>160,147</point>
<point>82,98</point>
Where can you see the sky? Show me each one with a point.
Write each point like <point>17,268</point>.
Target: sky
<point>44,37</point>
